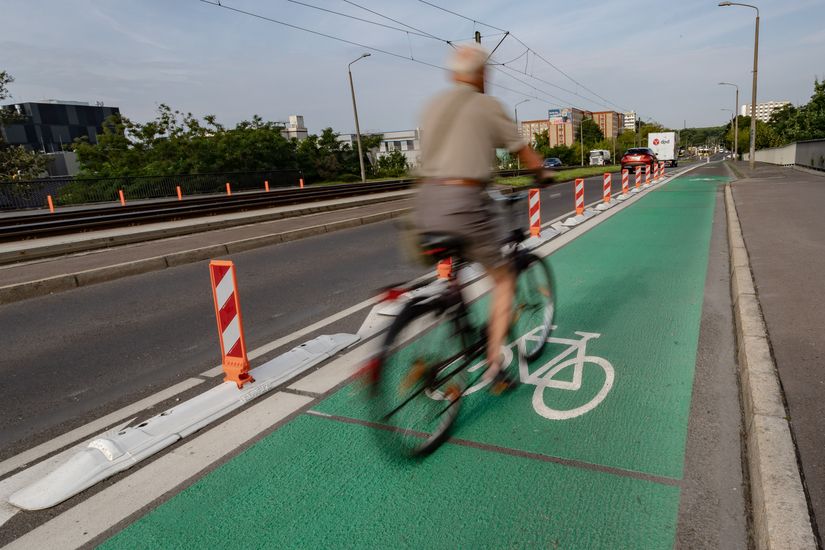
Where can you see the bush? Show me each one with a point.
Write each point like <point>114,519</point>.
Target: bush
<point>349,178</point>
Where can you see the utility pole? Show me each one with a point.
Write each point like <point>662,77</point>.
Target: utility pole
<point>357,128</point>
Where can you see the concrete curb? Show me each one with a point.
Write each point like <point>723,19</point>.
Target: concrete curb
<point>68,281</point>
<point>779,507</point>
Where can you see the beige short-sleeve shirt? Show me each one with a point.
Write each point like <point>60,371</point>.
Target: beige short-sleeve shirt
<point>460,131</point>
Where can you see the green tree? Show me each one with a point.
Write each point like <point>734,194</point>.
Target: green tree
<point>16,162</point>
<point>393,165</point>
<point>801,123</point>
<point>591,133</point>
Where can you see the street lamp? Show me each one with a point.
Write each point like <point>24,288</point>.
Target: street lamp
<point>355,110</point>
<point>751,159</point>
<point>515,112</point>
<point>735,121</point>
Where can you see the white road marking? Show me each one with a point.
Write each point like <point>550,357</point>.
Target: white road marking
<point>35,453</point>
<point>92,517</point>
<point>555,195</point>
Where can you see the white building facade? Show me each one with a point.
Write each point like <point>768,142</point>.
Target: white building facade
<point>763,110</point>
<point>630,120</point>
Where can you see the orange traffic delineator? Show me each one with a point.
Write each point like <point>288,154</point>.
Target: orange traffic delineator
<point>266,186</point>
<point>579,192</point>
<point>50,203</point>
<point>445,268</point>
<point>230,328</point>
<point>638,177</point>
<point>180,195</point>
<point>122,198</point>
<point>662,170</point>
<point>301,181</point>
<point>534,210</point>
<point>647,174</point>
<point>607,187</point>
<point>625,176</point>
<point>228,189</point>
<point>656,172</point>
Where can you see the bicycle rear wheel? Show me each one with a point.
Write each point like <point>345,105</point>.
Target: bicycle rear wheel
<point>417,381</point>
<point>534,305</point>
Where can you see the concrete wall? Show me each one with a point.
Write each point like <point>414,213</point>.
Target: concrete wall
<point>810,154</point>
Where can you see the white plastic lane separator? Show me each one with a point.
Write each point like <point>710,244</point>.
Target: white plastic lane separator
<point>14,483</point>
<point>36,453</point>
<point>94,516</point>
<point>106,456</point>
<point>275,344</point>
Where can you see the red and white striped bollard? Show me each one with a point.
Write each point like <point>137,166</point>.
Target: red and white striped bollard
<point>230,327</point>
<point>607,187</point>
<point>534,209</point>
<point>638,177</point>
<point>625,177</point>
<point>579,193</point>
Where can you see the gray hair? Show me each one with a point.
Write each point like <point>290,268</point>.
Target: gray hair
<point>468,59</point>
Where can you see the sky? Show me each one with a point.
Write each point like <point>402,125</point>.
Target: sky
<point>660,58</point>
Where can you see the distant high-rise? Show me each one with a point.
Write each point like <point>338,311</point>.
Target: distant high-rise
<point>763,110</point>
<point>630,120</point>
<point>51,125</point>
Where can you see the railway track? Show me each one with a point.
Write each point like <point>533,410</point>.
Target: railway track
<point>20,227</point>
<point>15,228</point>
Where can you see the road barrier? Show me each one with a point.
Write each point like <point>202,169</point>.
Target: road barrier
<point>50,203</point>
<point>266,186</point>
<point>230,327</point>
<point>647,174</point>
<point>301,182</point>
<point>534,202</point>
<point>180,195</point>
<point>228,189</point>
<point>638,177</point>
<point>579,190</point>
<point>122,198</point>
<point>625,177</point>
<point>606,188</point>
<point>656,169</point>
<point>662,170</point>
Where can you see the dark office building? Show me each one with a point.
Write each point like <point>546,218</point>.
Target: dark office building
<point>49,125</point>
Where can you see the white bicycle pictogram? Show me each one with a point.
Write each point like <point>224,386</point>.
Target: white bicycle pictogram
<point>545,377</point>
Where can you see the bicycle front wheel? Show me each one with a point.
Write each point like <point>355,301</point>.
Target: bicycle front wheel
<point>534,305</point>
<point>418,381</point>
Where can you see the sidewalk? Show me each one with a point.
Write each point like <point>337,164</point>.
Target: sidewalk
<point>781,214</point>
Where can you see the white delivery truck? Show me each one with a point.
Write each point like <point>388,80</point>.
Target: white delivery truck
<point>665,145</point>
<point>599,157</point>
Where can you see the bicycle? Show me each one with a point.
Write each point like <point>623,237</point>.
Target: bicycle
<point>436,343</point>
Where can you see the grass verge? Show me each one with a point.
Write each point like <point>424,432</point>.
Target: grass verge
<point>562,175</point>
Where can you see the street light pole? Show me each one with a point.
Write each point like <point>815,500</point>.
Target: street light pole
<point>751,159</point>
<point>355,111</point>
<point>735,121</point>
<point>515,113</point>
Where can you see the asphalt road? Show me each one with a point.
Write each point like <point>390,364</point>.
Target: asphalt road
<point>74,356</point>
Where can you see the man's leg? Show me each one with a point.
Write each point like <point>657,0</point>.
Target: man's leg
<point>501,306</point>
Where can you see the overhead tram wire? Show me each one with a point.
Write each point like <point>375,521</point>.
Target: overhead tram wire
<point>220,4</point>
<point>534,52</point>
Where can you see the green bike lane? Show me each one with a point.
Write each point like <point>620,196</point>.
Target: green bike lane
<point>513,475</point>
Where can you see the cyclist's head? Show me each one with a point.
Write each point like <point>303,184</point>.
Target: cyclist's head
<point>467,63</point>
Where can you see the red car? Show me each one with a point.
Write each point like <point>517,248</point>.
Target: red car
<point>639,156</point>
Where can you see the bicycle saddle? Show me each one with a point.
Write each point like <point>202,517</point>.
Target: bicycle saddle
<point>440,245</point>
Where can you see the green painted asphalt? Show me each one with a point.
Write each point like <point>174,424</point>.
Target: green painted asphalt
<point>515,476</point>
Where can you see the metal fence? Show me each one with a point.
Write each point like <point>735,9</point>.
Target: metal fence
<point>17,195</point>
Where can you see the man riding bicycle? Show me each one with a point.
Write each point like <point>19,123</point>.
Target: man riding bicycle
<point>460,131</point>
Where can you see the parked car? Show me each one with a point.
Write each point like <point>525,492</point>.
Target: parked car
<point>638,156</point>
<point>552,162</point>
